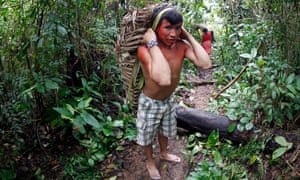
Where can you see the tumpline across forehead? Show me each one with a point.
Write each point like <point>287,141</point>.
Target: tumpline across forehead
<point>168,13</point>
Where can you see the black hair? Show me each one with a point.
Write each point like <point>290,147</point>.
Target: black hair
<point>173,16</point>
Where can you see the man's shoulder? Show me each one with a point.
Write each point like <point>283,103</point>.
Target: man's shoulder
<point>183,43</point>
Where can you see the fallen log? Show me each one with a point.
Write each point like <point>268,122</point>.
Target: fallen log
<point>193,120</point>
<point>199,83</point>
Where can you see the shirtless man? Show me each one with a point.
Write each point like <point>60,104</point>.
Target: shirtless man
<point>166,45</point>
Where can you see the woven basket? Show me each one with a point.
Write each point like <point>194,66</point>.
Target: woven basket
<point>132,28</point>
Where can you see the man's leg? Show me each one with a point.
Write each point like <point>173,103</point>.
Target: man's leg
<point>163,143</point>
<point>152,169</point>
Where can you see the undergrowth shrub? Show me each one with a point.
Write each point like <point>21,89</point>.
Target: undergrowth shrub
<point>14,122</point>
<point>221,159</point>
<point>266,92</point>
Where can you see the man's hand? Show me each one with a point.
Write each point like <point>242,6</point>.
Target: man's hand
<point>184,34</point>
<point>148,36</point>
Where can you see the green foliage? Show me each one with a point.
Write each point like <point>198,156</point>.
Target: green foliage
<point>267,91</point>
<point>58,68</point>
<point>285,146</point>
<point>14,119</point>
<point>7,172</point>
<point>81,167</point>
<point>59,54</point>
<point>96,131</point>
<point>222,160</point>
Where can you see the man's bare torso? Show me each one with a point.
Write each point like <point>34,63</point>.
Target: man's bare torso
<point>174,57</point>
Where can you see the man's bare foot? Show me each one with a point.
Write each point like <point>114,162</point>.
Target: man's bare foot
<point>153,172</point>
<point>170,157</point>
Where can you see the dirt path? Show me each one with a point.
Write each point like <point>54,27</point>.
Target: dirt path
<point>130,163</point>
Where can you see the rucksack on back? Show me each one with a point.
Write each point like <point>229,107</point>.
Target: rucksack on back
<point>132,28</point>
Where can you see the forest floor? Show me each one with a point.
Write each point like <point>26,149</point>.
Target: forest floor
<point>129,164</point>
<point>132,162</point>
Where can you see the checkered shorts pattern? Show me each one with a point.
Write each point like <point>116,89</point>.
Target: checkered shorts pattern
<point>154,117</point>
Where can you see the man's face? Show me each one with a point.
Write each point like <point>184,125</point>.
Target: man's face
<point>168,33</point>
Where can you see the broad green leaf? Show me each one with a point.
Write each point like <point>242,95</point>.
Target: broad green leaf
<point>252,159</point>
<point>289,114</point>
<point>291,95</point>
<point>260,62</point>
<point>108,118</point>
<point>107,131</point>
<point>246,55</point>
<point>298,84</point>
<point>292,89</point>
<point>249,126</point>
<point>118,123</point>
<point>195,150</point>
<point>290,79</point>
<point>231,115</point>
<point>197,134</point>
<point>84,103</point>
<point>100,156</point>
<point>91,162</point>
<point>253,52</point>
<point>51,84</point>
<point>62,30</point>
<point>113,178</point>
<point>91,120</point>
<point>120,148</point>
<point>125,108</point>
<point>217,157</point>
<point>231,128</point>
<point>234,104</point>
<point>120,134</point>
<point>278,152</point>
<point>40,43</point>
<point>29,90</point>
<point>117,104</point>
<point>244,120</point>
<point>282,141</point>
<point>78,125</point>
<point>84,82</point>
<point>240,127</point>
<point>273,94</point>
<point>191,138</point>
<point>71,109</point>
<point>40,88</point>
<point>213,138</point>
<point>63,111</point>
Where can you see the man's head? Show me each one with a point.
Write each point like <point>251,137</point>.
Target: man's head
<point>166,12</point>
<point>202,28</point>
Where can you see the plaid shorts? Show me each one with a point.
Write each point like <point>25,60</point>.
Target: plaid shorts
<point>155,116</point>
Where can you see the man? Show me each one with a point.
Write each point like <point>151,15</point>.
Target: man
<point>165,47</point>
<point>207,38</point>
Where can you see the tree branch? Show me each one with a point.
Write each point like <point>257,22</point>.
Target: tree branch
<point>232,82</point>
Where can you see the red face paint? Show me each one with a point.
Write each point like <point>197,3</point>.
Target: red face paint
<point>168,33</point>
